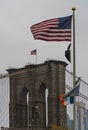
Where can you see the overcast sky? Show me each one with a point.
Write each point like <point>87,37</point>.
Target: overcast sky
<point>16,40</point>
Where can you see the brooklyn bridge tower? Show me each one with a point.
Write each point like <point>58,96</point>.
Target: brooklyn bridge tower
<point>28,105</point>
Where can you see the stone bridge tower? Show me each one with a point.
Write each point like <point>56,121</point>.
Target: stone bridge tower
<point>27,95</point>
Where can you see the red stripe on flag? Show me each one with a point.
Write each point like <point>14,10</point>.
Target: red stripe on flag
<point>49,30</point>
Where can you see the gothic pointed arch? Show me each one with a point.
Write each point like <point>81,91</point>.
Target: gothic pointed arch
<point>23,96</point>
<point>42,89</point>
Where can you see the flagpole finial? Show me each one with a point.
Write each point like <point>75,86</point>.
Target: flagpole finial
<point>73,8</point>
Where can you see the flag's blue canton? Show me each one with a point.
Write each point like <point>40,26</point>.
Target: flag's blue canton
<point>33,52</point>
<point>64,22</point>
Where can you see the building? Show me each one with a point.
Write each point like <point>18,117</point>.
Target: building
<point>86,121</point>
<point>27,96</point>
<point>70,122</point>
<point>80,116</point>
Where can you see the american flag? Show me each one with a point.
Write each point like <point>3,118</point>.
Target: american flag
<point>33,52</point>
<point>56,29</point>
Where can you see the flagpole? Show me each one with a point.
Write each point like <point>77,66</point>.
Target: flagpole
<point>74,66</point>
